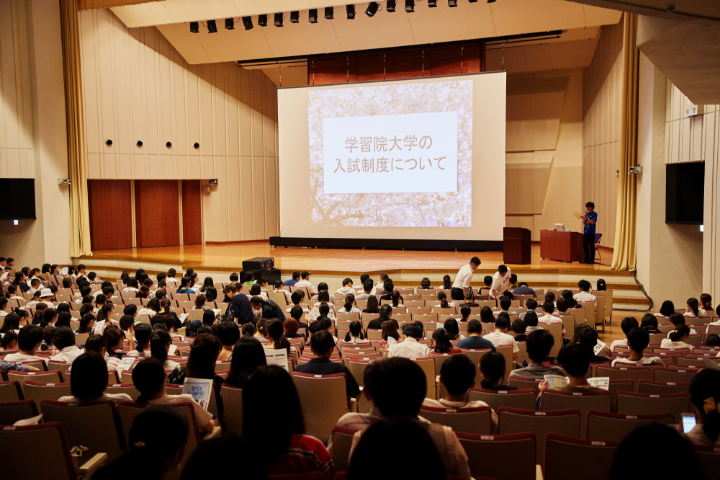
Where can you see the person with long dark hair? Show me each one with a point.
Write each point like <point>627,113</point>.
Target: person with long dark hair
<point>280,438</point>
<point>443,343</point>
<point>355,333</point>
<point>247,356</point>
<point>385,313</point>
<point>693,308</point>
<point>160,342</point>
<point>372,305</point>
<point>277,340</point>
<point>705,399</point>
<point>705,308</point>
<point>143,332</point>
<point>349,306</point>
<point>667,309</point>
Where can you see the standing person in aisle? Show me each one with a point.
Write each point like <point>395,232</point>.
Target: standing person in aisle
<point>463,279</point>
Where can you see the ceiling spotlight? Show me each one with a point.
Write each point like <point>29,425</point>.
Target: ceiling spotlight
<point>432,3</point>
<point>491,1</point>
<point>329,12</point>
<point>211,26</point>
<point>312,15</point>
<point>409,6</point>
<point>372,9</point>
<point>262,20</point>
<point>390,6</point>
<point>247,22</point>
<point>350,9</point>
<point>295,17</point>
<point>278,20</point>
<point>472,1</point>
<point>229,24</point>
<point>452,3</point>
<point>194,27</point>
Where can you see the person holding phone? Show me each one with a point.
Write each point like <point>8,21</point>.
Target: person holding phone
<point>589,222</point>
<point>705,398</point>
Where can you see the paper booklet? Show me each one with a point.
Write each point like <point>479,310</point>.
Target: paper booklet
<point>182,316</point>
<point>598,347</point>
<point>98,328</point>
<point>126,362</point>
<point>28,421</point>
<point>171,352</point>
<point>276,357</point>
<point>200,389</point>
<point>555,381</point>
<point>600,382</point>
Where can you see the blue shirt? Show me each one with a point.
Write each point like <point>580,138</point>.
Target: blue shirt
<point>475,343</point>
<point>590,227</point>
<point>290,283</point>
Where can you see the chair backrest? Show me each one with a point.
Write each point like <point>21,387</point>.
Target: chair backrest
<point>647,403</point>
<point>11,391</point>
<point>49,439</point>
<point>428,366</point>
<point>515,420</point>
<point>39,391</point>
<point>95,425</point>
<point>502,457</point>
<point>52,376</point>
<point>565,454</point>
<point>617,373</point>
<point>342,439</point>
<point>233,406</point>
<point>477,420</point>
<point>523,399</point>
<point>657,387</point>
<point>614,427</point>
<point>507,352</point>
<point>677,376</point>
<point>709,458</point>
<point>556,330</point>
<point>129,410</point>
<point>324,401</point>
<point>39,364</point>
<point>11,412</point>
<point>357,368</point>
<point>126,388</point>
<point>583,401</point>
<point>523,383</point>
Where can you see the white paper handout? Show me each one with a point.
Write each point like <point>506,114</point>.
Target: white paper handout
<point>276,357</point>
<point>600,382</point>
<point>200,389</point>
<point>598,347</point>
<point>28,421</point>
<point>555,381</point>
<point>126,363</point>
<point>172,349</point>
<point>98,328</point>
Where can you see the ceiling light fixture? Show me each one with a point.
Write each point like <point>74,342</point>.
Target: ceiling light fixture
<point>229,24</point>
<point>329,13</point>
<point>350,9</point>
<point>372,9</point>
<point>194,27</point>
<point>312,15</point>
<point>409,6</point>
<point>432,3</point>
<point>247,22</point>
<point>295,17</point>
<point>278,20</point>
<point>262,20</point>
<point>452,3</point>
<point>211,26</point>
<point>390,5</point>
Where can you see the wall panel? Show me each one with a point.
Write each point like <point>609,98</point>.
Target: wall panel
<point>110,214</point>
<point>191,212</point>
<point>157,222</point>
<point>138,87</point>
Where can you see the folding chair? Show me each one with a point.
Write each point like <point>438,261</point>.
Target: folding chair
<point>615,386</point>
<point>11,412</point>
<point>39,364</point>
<point>39,391</point>
<point>515,420</point>
<point>582,401</point>
<point>618,373</point>
<point>565,454</point>
<point>324,401</point>
<point>616,426</point>
<point>233,404</point>
<point>475,420</point>
<point>54,461</point>
<point>523,399</point>
<point>428,366</point>
<point>11,391</point>
<point>645,403</point>
<point>95,425</point>
<point>675,376</point>
<point>342,439</point>
<point>684,368</point>
<point>52,376</point>
<point>657,387</point>
<point>126,388</point>
<point>502,457</point>
<point>357,368</point>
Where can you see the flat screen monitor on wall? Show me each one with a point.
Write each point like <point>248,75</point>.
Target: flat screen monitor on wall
<point>684,193</point>
<point>18,198</point>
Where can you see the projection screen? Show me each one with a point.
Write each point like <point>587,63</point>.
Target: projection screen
<point>407,159</point>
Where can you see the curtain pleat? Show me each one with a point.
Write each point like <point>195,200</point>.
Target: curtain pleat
<point>77,161</point>
<point>625,252</point>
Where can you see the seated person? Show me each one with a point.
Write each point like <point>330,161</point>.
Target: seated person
<point>457,374</point>
<point>676,319</point>
<point>649,323</point>
<point>538,346</point>
<point>228,333</point>
<point>368,290</point>
<point>397,387</point>
<point>385,314</point>
<point>692,310</point>
<point>149,378</point>
<point>531,304</point>
<point>705,399</point>
<point>678,339</point>
<point>296,313</point>
<point>717,314</point>
<point>518,327</point>
<point>638,340</point>
<point>574,360</point>
<point>350,306</point>
<point>322,308</point>
<point>347,287</point>
<point>627,324</point>
<point>470,299</point>
<point>523,289</point>
<point>548,318</point>
<point>409,347</point>
<point>442,298</point>
<point>322,345</point>
<point>464,313</point>
<point>505,303</point>
<point>297,300</point>
<point>89,379</point>
<point>291,328</point>
<point>492,372</point>
<point>425,284</point>
<point>388,287</point>
<point>474,340</point>
<point>29,340</point>
<point>531,320</point>
<point>501,336</point>
<point>355,334</point>
<point>587,337</point>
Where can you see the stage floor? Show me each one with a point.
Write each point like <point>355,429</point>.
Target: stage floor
<point>230,257</point>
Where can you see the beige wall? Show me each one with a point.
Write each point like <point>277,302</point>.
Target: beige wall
<point>33,141</point>
<point>602,105</point>
<point>138,87</point>
<point>544,150</point>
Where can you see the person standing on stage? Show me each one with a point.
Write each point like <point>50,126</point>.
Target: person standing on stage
<point>463,279</point>
<point>590,221</point>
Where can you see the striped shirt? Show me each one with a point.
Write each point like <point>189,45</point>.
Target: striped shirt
<point>305,454</point>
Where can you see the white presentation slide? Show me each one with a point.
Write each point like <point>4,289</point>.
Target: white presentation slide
<point>408,159</point>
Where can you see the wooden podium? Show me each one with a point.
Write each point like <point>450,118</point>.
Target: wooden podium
<point>516,245</point>
<point>561,246</point>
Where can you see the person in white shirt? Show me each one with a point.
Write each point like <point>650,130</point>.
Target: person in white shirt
<point>501,337</point>
<point>29,340</point>
<point>349,306</point>
<point>64,342</point>
<point>676,319</point>
<point>627,324</point>
<point>705,308</point>
<point>678,339</point>
<point>305,282</point>
<point>34,286</point>
<point>717,312</point>
<point>368,290</point>
<point>149,378</point>
<point>463,279</point>
<point>410,346</point>
<point>297,301</point>
<point>347,288</point>
<point>584,295</point>
<point>143,332</point>
<point>501,281</point>
<point>548,318</point>
<point>89,379</point>
<point>531,320</point>
<point>170,278</point>
<point>638,340</point>
<point>278,288</point>
<point>693,309</point>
